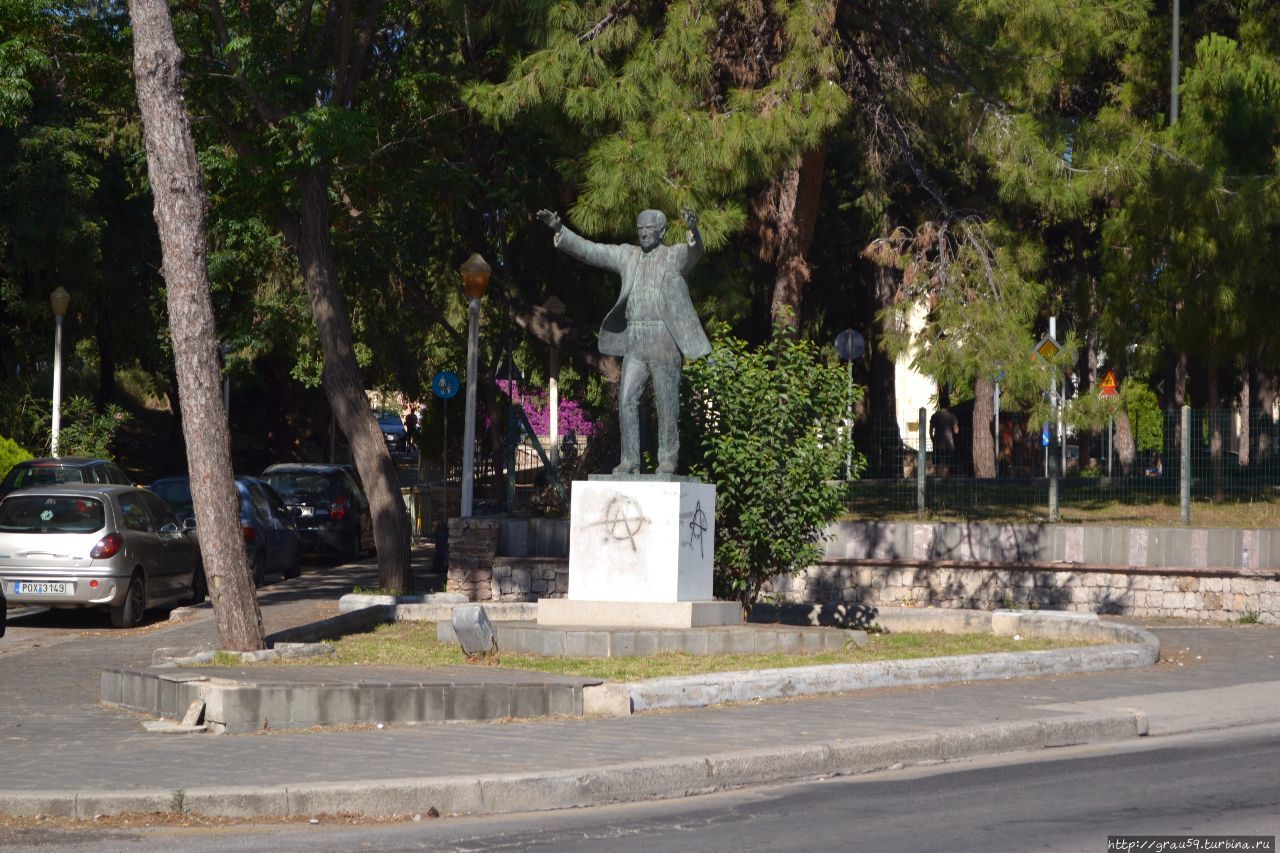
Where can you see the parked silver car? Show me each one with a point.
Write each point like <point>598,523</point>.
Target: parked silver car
<point>82,545</point>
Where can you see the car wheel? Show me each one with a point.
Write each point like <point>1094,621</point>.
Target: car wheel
<point>295,566</point>
<point>199,586</point>
<point>259,569</point>
<point>130,611</point>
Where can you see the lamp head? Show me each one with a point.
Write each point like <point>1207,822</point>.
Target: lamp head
<point>475,276</point>
<point>59,301</point>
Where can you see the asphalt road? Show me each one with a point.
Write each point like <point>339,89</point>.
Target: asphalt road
<point>1219,783</point>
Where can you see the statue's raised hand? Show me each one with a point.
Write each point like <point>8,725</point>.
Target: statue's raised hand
<point>690,218</point>
<point>550,218</point>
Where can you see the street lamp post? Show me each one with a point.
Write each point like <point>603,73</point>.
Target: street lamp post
<point>59,300</point>
<point>475,278</point>
<point>554,306</point>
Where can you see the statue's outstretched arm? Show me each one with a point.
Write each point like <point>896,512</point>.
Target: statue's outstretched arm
<point>551,219</point>
<point>600,255</point>
<point>693,239</point>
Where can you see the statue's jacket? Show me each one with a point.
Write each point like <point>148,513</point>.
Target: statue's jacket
<point>676,307</point>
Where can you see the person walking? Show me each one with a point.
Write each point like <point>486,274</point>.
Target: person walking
<point>944,426</point>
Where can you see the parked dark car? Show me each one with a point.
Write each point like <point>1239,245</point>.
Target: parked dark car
<point>62,469</point>
<point>84,545</point>
<point>393,431</point>
<point>328,505</point>
<point>271,542</point>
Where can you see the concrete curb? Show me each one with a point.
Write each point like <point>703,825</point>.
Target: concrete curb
<point>1136,648</point>
<point>590,786</point>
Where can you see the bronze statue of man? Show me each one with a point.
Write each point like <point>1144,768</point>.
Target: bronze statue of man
<point>652,326</point>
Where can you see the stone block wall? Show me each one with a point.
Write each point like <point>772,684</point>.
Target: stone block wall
<point>1199,573</point>
<point>1224,595</point>
<point>529,578</point>
<point>473,544</point>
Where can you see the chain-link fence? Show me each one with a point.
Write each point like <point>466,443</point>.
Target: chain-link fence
<point>1203,467</point>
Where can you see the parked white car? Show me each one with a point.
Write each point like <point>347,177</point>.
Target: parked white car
<point>82,545</point>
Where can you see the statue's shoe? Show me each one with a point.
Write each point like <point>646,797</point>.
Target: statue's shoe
<point>666,468</point>
<point>626,468</point>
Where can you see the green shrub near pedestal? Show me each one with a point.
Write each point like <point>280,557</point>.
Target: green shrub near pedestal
<point>766,426</point>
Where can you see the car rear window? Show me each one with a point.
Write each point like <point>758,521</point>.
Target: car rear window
<point>177,494</point>
<point>23,477</point>
<point>300,485</point>
<point>51,514</point>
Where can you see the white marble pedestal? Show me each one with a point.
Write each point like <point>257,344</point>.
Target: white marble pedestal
<point>641,554</point>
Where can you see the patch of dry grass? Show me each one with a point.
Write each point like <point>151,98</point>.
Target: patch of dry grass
<point>415,644</point>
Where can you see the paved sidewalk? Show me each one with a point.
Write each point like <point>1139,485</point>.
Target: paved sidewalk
<point>63,753</point>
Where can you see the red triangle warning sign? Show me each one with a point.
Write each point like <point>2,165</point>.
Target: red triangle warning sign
<point>1107,387</point>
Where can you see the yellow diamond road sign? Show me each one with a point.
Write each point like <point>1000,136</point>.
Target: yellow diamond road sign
<point>1048,347</point>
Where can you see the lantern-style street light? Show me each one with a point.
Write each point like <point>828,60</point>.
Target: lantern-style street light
<point>59,301</point>
<point>475,279</point>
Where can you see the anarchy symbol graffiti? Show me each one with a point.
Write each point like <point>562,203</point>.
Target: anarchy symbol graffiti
<point>623,520</point>
<point>697,527</point>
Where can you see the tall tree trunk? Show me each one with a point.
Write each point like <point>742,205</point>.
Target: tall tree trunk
<point>1246,417</point>
<point>1263,398</point>
<point>884,453</point>
<point>179,213</point>
<point>1126,449</point>
<point>786,213</point>
<point>984,447</point>
<point>1215,413</point>
<point>1087,373</point>
<point>344,386</point>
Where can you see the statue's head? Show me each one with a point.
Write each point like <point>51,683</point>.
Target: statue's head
<point>651,227</point>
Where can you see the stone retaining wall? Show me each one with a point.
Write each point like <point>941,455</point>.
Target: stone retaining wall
<point>473,544</point>
<point>1211,574</point>
<point>1224,595</point>
<point>1171,547</point>
<point>529,578</point>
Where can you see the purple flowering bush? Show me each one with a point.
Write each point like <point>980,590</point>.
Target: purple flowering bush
<point>537,409</point>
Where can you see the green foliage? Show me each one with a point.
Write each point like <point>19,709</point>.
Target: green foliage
<point>1191,266</point>
<point>20,57</point>
<point>11,453</point>
<point>1145,418</point>
<point>768,424</point>
<point>966,308</point>
<point>668,117</point>
<point>84,431</point>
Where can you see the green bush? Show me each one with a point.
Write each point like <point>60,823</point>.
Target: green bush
<point>767,432</point>
<point>84,431</point>
<point>11,453</point>
<point>1145,417</point>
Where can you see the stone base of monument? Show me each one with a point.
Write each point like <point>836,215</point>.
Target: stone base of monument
<point>564,612</point>
<point>641,551</point>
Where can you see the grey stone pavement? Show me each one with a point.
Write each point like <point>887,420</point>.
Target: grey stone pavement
<point>62,752</point>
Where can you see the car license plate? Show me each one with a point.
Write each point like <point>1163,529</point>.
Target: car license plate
<point>306,510</point>
<point>43,588</point>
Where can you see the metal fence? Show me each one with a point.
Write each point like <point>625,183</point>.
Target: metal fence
<point>1203,467</point>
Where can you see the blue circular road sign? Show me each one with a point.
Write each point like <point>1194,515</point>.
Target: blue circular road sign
<point>445,385</point>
